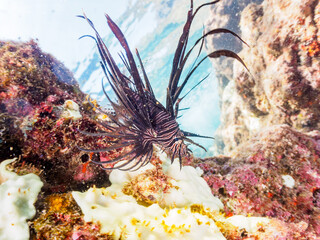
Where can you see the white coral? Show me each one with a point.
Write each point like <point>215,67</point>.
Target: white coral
<point>187,210</point>
<point>17,196</point>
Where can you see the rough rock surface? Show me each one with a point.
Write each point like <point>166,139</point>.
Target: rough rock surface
<point>270,116</point>
<point>38,120</point>
<point>283,59</point>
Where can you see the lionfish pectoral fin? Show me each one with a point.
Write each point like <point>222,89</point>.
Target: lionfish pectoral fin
<point>173,154</point>
<point>172,158</point>
<point>148,158</point>
<point>194,143</point>
<point>119,167</point>
<point>180,158</point>
<point>189,134</point>
<point>227,53</point>
<point>144,160</point>
<point>112,147</point>
<point>117,159</point>
<point>137,156</point>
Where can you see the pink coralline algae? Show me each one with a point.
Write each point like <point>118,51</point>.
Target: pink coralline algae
<point>253,181</point>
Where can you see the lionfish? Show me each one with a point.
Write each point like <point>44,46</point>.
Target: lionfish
<point>139,120</point>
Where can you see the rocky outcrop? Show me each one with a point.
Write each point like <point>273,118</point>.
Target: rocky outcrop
<point>270,115</point>
<point>283,84</point>
<point>40,118</point>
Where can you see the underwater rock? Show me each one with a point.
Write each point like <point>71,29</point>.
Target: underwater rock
<point>225,14</point>
<point>273,169</point>
<point>40,117</point>
<point>17,196</point>
<point>275,174</point>
<point>283,59</point>
<point>269,117</point>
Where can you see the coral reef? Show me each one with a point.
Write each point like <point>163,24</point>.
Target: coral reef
<point>61,218</point>
<point>40,117</point>
<point>266,186</point>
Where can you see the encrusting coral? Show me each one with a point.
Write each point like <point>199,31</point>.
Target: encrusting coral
<point>17,196</point>
<point>181,206</point>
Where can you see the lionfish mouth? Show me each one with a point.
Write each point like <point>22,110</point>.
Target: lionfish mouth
<point>139,121</point>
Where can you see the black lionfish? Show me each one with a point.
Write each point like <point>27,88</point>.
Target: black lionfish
<point>139,120</point>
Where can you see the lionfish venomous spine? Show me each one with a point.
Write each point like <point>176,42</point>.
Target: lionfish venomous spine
<point>139,121</point>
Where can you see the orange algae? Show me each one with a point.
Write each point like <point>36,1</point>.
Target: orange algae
<point>312,48</point>
<point>61,218</point>
<point>57,218</point>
